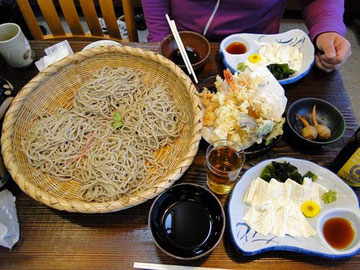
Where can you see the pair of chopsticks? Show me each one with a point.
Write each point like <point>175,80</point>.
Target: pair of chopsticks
<point>154,266</point>
<point>181,47</point>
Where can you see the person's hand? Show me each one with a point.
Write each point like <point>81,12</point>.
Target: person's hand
<point>334,50</point>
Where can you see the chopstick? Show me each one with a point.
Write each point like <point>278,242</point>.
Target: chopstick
<point>155,266</point>
<point>181,47</point>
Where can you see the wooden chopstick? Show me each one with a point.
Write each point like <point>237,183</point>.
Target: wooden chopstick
<point>181,47</point>
<point>176,37</point>
<point>155,266</point>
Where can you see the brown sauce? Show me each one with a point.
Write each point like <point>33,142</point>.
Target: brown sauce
<point>176,57</point>
<point>338,232</point>
<point>236,48</point>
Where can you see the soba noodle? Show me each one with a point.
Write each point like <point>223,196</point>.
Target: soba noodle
<point>116,162</point>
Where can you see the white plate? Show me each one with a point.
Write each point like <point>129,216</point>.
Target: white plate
<point>271,90</point>
<point>101,43</point>
<point>250,242</point>
<point>296,38</point>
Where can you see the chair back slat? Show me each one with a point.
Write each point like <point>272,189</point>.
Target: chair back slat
<point>108,13</point>
<point>69,11</point>
<point>30,19</point>
<point>71,16</point>
<point>48,10</point>
<point>91,17</point>
<point>130,20</point>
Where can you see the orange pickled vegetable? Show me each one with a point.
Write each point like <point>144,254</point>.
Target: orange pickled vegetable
<point>308,132</point>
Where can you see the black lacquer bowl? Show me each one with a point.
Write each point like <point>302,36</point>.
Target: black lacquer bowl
<point>187,221</point>
<point>326,114</point>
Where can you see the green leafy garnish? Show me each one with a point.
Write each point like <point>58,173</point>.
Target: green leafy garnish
<point>241,66</point>
<point>329,197</point>
<point>117,120</point>
<point>283,171</point>
<point>280,71</point>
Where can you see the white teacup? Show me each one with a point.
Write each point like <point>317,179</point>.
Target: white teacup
<point>14,46</point>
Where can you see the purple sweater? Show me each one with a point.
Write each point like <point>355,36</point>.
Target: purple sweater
<point>239,16</point>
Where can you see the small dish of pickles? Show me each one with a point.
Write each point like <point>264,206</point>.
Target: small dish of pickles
<point>315,121</point>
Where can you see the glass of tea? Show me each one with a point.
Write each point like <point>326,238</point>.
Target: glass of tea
<point>224,161</point>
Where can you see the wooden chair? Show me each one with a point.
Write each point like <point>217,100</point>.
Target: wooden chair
<point>69,11</point>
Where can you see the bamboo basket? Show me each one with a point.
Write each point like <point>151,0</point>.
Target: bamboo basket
<point>55,86</point>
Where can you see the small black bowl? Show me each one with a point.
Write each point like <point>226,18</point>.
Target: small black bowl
<point>187,221</point>
<point>326,114</point>
<point>192,41</point>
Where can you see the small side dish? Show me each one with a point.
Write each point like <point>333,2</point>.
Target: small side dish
<point>289,215</point>
<point>314,121</point>
<point>289,55</point>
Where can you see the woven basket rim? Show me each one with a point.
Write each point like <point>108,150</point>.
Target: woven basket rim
<point>77,205</point>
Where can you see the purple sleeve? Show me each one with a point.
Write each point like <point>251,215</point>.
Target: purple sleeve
<point>324,16</point>
<point>154,11</point>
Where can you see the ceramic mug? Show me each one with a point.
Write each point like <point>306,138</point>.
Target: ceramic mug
<point>14,46</point>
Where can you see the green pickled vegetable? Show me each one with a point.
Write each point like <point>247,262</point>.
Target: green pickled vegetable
<point>311,175</point>
<point>329,197</point>
<point>280,71</point>
<point>241,66</point>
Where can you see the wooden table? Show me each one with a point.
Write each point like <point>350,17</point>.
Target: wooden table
<point>50,239</point>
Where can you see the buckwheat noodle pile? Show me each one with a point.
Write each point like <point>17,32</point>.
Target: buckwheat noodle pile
<point>83,144</point>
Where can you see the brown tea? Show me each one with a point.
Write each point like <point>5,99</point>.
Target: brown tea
<point>223,167</point>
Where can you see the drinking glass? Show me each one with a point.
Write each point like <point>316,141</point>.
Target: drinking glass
<point>224,161</point>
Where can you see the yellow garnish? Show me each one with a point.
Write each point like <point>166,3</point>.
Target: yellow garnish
<point>254,58</point>
<point>310,209</point>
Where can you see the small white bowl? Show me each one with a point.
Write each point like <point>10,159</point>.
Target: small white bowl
<point>352,216</point>
<point>101,43</point>
<point>234,59</point>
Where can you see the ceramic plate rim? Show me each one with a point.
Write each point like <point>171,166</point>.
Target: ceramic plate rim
<point>105,42</point>
<point>287,247</point>
<point>284,81</point>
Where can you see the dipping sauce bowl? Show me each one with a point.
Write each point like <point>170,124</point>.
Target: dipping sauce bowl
<point>197,47</point>
<point>187,221</point>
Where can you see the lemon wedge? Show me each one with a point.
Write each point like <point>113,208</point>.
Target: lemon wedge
<point>310,209</point>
